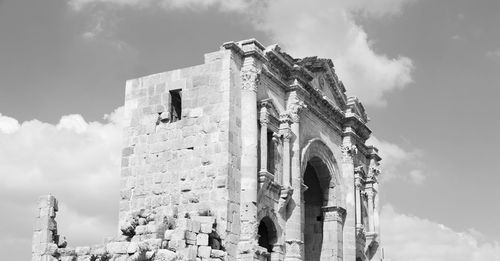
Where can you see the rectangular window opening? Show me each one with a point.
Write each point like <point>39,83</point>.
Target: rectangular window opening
<point>175,105</point>
<point>271,150</point>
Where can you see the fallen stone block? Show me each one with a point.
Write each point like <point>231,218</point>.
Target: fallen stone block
<point>165,255</point>
<point>81,251</point>
<point>117,247</point>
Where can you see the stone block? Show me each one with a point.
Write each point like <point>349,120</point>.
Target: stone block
<point>168,234</point>
<point>68,258</point>
<point>206,228</point>
<point>139,230</point>
<point>165,255</point>
<point>178,234</point>
<point>81,251</point>
<point>190,235</point>
<point>176,244</point>
<point>202,239</point>
<point>217,253</point>
<point>117,247</point>
<point>204,251</point>
<point>195,226</point>
<point>132,248</point>
<point>98,250</point>
<point>153,244</point>
<point>205,219</point>
<point>83,258</point>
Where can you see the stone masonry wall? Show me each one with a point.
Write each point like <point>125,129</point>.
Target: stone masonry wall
<point>189,167</point>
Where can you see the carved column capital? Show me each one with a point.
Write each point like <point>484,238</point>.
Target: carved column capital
<point>334,213</point>
<point>374,171</point>
<point>294,108</point>
<point>287,134</point>
<point>250,79</point>
<point>349,151</point>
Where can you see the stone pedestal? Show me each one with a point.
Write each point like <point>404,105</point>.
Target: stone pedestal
<point>333,225</point>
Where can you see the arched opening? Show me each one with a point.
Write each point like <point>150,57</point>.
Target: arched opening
<point>267,234</point>
<point>314,199</point>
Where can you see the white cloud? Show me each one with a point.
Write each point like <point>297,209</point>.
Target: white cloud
<point>76,161</point>
<point>319,27</point>
<point>417,177</point>
<point>328,29</point>
<point>410,238</point>
<point>8,124</point>
<point>399,163</point>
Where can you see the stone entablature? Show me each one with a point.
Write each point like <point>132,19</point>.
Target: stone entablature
<point>253,155</point>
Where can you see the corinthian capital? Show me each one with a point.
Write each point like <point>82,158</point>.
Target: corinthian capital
<point>250,79</point>
<point>294,108</point>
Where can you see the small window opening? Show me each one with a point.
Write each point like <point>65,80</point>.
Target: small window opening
<point>175,105</point>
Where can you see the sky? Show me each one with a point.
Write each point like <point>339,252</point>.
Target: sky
<point>428,73</point>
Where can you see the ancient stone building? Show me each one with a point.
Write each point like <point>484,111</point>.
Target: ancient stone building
<point>252,155</point>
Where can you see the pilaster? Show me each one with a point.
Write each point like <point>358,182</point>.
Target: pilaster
<point>294,228</point>
<point>349,150</point>
<point>249,182</point>
<point>333,225</point>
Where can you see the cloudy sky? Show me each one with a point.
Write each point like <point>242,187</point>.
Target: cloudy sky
<point>428,72</point>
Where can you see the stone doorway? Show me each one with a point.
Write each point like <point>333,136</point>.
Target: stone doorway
<point>313,223</point>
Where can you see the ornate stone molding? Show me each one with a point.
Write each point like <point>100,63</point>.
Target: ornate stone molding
<point>250,79</point>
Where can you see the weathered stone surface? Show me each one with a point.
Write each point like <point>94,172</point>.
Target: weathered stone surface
<point>82,250</point>
<point>117,247</point>
<point>202,239</point>
<point>204,251</point>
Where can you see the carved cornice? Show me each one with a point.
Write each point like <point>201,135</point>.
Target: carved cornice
<point>353,121</point>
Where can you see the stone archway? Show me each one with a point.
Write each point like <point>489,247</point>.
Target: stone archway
<point>313,218</point>
<point>323,203</point>
<point>267,234</point>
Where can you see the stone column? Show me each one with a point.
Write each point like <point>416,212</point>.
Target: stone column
<point>264,120</point>
<point>370,196</point>
<point>333,227</point>
<point>287,135</point>
<point>277,254</point>
<point>349,150</point>
<point>294,227</point>
<point>376,209</point>
<point>45,238</point>
<point>357,191</point>
<point>249,134</point>
<point>263,136</point>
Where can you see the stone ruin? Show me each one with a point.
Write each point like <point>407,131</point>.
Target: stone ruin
<point>252,155</point>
